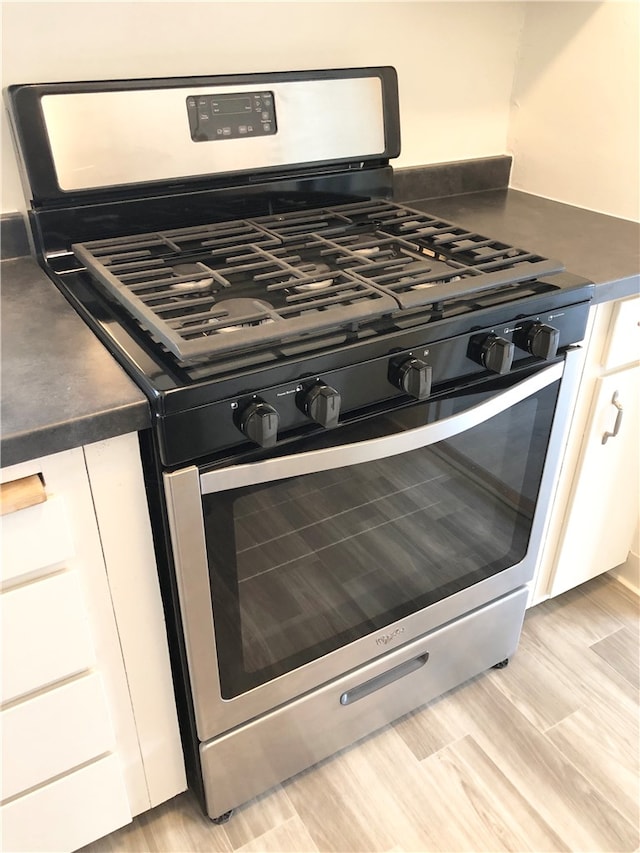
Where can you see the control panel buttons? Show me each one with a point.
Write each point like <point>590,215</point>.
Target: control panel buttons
<point>412,376</point>
<point>227,116</point>
<point>492,352</point>
<point>321,403</point>
<point>259,422</point>
<point>538,339</point>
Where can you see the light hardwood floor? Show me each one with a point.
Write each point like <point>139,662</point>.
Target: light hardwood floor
<point>541,756</point>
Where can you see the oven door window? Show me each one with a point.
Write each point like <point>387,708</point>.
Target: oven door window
<point>304,565</point>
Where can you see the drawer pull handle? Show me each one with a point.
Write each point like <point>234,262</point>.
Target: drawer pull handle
<point>20,494</point>
<point>616,427</point>
<point>383,680</point>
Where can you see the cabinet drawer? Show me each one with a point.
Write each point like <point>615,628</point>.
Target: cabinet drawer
<point>53,733</point>
<point>45,634</point>
<point>623,343</point>
<point>68,813</point>
<point>35,538</point>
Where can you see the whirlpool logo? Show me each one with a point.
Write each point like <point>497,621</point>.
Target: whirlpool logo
<point>385,639</point>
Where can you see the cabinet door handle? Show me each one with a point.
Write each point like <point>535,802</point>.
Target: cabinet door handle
<point>616,427</point>
<point>20,494</point>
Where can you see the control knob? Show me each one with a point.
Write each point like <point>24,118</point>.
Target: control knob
<point>259,422</point>
<point>321,403</point>
<point>494,353</point>
<point>539,339</point>
<point>412,376</point>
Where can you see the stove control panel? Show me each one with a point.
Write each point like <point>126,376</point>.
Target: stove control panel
<point>240,115</point>
<point>333,394</point>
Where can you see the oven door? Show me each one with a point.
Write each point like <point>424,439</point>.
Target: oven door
<point>296,568</point>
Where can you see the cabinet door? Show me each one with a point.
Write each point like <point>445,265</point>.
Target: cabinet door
<point>623,341</point>
<point>603,510</point>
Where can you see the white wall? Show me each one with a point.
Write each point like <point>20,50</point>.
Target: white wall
<point>574,128</point>
<point>455,61</point>
<point>572,125</point>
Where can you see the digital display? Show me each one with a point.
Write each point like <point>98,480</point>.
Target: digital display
<point>231,115</point>
<point>231,106</point>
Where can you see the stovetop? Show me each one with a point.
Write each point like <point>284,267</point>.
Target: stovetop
<point>228,288</point>
<point>261,276</point>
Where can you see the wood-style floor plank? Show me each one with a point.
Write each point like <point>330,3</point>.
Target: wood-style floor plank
<point>288,837</point>
<point>585,673</point>
<point>620,651</point>
<point>496,814</point>
<point>566,800</point>
<point>579,618</point>
<point>605,751</point>
<point>616,599</point>
<point>533,685</point>
<point>542,755</point>
<point>270,810</point>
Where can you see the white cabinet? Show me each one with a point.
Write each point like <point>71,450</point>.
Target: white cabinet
<point>90,735</point>
<point>604,509</point>
<point>46,633</point>
<point>595,513</point>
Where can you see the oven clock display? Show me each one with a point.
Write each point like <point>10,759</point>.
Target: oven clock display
<point>231,116</point>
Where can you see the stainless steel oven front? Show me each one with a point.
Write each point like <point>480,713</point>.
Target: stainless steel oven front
<point>359,573</point>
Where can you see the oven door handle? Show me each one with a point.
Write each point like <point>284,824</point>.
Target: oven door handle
<point>311,462</point>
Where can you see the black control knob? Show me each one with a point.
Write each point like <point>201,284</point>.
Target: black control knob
<point>322,404</point>
<point>540,340</point>
<point>412,376</point>
<point>259,422</point>
<point>496,354</point>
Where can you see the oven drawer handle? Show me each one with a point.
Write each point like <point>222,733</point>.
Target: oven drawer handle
<point>380,681</point>
<point>311,462</point>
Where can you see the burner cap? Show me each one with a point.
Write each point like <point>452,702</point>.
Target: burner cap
<point>200,279</point>
<point>246,312</point>
<point>313,269</point>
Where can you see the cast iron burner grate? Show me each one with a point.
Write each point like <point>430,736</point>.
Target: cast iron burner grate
<point>239,285</point>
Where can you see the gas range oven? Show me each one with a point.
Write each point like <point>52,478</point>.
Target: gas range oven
<point>358,408</point>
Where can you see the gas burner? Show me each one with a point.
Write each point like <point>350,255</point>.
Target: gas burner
<point>313,269</point>
<point>241,313</point>
<point>362,245</point>
<point>198,279</point>
<point>427,285</point>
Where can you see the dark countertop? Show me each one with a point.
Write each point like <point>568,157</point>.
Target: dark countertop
<point>62,389</point>
<point>601,248</point>
<point>60,386</point>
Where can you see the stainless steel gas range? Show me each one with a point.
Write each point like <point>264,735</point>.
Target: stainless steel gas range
<point>358,408</point>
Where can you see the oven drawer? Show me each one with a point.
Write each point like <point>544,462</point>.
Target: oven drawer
<point>270,749</point>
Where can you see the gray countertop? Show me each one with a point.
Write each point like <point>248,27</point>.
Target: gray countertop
<point>61,388</point>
